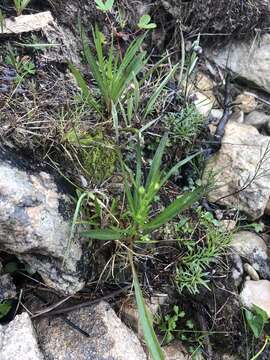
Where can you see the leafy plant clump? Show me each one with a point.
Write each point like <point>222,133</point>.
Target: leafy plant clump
<point>191,272</point>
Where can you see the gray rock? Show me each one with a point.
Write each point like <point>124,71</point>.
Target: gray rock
<point>249,60</point>
<point>253,249</point>
<point>32,228</point>
<point>241,170</point>
<point>109,338</point>
<point>258,119</point>
<point>18,340</point>
<point>7,288</point>
<point>256,293</point>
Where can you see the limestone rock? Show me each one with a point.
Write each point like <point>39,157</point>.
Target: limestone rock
<point>251,247</point>
<point>258,119</point>
<point>246,103</point>
<point>256,293</point>
<point>18,340</point>
<point>7,287</point>
<point>249,60</point>
<point>241,170</point>
<point>108,337</point>
<point>175,351</point>
<point>33,229</point>
<point>26,23</point>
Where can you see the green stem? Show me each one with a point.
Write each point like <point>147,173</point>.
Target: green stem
<point>262,349</point>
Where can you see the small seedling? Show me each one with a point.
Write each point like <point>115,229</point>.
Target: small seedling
<point>256,319</point>
<point>105,7</point>
<point>145,22</point>
<point>5,307</point>
<point>169,324</point>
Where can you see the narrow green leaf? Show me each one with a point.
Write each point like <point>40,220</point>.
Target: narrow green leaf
<point>146,321</point>
<point>100,5</point>
<point>106,234</point>
<point>177,206</point>
<point>156,162</point>
<point>176,167</point>
<point>153,98</point>
<point>109,4</point>
<point>84,88</point>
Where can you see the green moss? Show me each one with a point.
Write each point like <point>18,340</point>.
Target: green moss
<point>99,159</point>
<point>98,154</point>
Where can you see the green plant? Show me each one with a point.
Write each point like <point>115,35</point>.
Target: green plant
<point>168,325</point>
<point>185,125</point>
<point>2,20</point>
<point>192,272</point>
<point>23,65</point>
<point>5,307</point>
<point>112,73</point>
<point>256,320</point>
<point>20,5</point>
<point>104,6</point>
<point>137,223</point>
<point>145,22</point>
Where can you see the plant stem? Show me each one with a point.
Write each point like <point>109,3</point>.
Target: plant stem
<point>262,349</point>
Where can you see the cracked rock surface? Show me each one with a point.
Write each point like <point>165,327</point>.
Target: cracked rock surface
<point>33,229</point>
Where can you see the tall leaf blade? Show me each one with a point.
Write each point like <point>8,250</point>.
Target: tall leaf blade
<point>153,98</point>
<point>146,321</point>
<point>156,163</point>
<point>177,206</point>
<point>84,88</point>
<point>106,234</point>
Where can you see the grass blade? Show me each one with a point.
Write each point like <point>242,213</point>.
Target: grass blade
<point>106,234</point>
<point>177,206</point>
<point>153,98</point>
<point>155,166</point>
<point>146,320</point>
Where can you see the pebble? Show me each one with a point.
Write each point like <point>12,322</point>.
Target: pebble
<point>251,272</point>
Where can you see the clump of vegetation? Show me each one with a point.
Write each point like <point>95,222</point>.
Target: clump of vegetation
<point>185,125</point>
<point>192,270</point>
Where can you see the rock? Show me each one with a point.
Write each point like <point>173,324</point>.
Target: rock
<point>256,293</point>
<point>18,340</point>
<point>252,248</point>
<point>237,116</point>
<point>130,315</point>
<point>33,229</point>
<point>237,269</point>
<point>7,287</point>
<point>267,208</point>
<point>241,170</point>
<point>228,225</point>
<point>108,337</point>
<point>246,103</point>
<point>249,60</point>
<point>203,93</point>
<point>251,272</point>
<point>258,119</point>
<point>26,23</point>
<point>175,351</point>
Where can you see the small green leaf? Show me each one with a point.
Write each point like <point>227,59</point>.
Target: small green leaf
<point>5,307</point>
<point>256,319</point>
<point>179,205</point>
<point>109,5</point>
<point>106,234</point>
<point>144,22</point>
